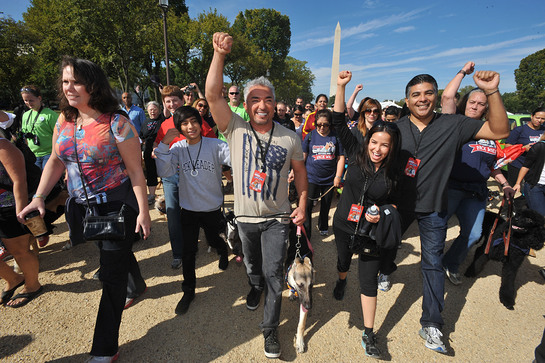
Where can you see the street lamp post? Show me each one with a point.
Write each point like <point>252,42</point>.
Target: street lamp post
<point>164,6</point>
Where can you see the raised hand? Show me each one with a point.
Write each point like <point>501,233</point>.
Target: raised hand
<point>469,67</point>
<point>222,43</point>
<point>488,81</point>
<point>358,88</point>
<point>344,78</point>
<point>170,135</point>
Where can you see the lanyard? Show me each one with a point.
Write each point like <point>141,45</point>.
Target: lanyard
<point>35,118</point>
<point>194,172</point>
<point>263,150</point>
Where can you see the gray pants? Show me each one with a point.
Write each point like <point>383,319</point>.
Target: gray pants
<point>264,246</point>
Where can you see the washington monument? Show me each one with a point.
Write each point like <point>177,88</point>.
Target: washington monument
<point>335,62</point>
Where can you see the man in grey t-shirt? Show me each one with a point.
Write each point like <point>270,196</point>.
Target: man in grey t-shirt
<point>261,156</point>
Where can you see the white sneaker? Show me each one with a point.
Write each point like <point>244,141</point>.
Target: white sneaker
<point>384,283</point>
<point>432,336</point>
<point>97,359</point>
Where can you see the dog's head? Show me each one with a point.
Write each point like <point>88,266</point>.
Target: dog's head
<point>302,279</point>
<point>160,205</point>
<point>528,230</point>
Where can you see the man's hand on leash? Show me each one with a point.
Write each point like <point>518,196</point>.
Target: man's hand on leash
<point>298,216</point>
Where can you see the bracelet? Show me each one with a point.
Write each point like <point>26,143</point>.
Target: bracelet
<point>491,93</point>
<point>337,177</point>
<point>463,72</point>
<point>38,196</point>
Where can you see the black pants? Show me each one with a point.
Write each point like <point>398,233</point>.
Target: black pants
<point>191,224</point>
<point>116,262</point>
<point>151,169</point>
<point>314,191</point>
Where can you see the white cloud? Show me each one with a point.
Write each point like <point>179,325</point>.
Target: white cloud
<point>404,29</point>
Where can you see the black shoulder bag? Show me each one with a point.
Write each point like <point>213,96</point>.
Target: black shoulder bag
<point>99,228</point>
<point>360,243</point>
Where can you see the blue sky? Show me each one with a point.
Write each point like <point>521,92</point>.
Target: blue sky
<point>386,43</point>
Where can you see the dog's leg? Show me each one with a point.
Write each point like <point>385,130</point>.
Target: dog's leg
<point>299,337</point>
<point>508,275</point>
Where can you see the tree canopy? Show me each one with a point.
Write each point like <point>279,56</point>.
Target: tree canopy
<point>530,78</point>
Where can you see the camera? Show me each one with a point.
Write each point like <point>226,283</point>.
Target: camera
<point>30,136</point>
<point>190,88</point>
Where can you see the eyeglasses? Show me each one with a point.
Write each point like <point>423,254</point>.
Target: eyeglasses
<point>234,93</point>
<point>201,105</point>
<point>322,125</point>
<point>298,114</point>
<point>374,110</point>
<point>29,90</point>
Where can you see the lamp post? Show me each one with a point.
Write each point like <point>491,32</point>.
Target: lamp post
<point>164,6</point>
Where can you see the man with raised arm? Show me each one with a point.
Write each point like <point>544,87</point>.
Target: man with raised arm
<point>261,157</point>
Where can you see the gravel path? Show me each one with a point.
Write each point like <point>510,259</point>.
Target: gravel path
<point>58,325</point>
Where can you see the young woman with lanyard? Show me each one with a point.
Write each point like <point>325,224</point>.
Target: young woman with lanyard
<point>371,165</point>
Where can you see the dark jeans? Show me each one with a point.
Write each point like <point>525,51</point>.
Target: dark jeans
<point>117,261</point>
<point>535,197</point>
<point>314,191</point>
<point>433,231</point>
<point>512,174</point>
<point>264,246</point>
<point>172,204</point>
<point>191,224</point>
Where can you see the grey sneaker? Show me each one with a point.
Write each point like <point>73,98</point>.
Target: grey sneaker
<point>432,336</point>
<point>384,283</point>
<point>176,263</point>
<point>272,345</point>
<point>454,277</point>
<point>369,343</point>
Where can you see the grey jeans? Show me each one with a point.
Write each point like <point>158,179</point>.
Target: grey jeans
<point>264,246</point>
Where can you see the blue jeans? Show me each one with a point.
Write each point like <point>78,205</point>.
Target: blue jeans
<point>264,246</point>
<point>535,197</point>
<point>174,215</point>
<point>433,231</point>
<point>41,161</point>
<point>470,212</point>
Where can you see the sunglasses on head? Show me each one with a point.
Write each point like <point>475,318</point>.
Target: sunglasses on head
<point>29,90</point>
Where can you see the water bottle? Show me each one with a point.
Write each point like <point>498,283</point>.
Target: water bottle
<point>366,229</point>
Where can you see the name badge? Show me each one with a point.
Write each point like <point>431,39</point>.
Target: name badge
<point>412,167</point>
<point>355,213</point>
<point>258,179</point>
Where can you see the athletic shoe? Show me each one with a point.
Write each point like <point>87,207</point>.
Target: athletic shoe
<point>176,263</point>
<point>184,303</point>
<point>252,300</point>
<point>384,283</point>
<point>272,345</point>
<point>324,233</point>
<point>432,336</point>
<point>4,254</point>
<point>97,359</point>
<point>369,343</point>
<point>338,291</point>
<point>455,278</point>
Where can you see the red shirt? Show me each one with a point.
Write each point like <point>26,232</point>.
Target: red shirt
<point>168,124</point>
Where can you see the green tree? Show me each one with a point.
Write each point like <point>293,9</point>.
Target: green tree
<point>294,79</point>
<point>512,103</point>
<point>530,78</point>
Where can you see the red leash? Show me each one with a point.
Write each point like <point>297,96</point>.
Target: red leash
<point>509,220</point>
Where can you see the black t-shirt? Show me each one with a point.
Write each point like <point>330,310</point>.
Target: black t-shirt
<point>377,185</point>
<point>436,147</point>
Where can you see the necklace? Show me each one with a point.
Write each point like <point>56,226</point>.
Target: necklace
<point>194,172</point>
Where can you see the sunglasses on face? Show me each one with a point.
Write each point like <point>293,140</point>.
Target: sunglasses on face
<point>201,105</point>
<point>375,111</point>
<point>322,125</point>
<point>298,114</point>
<point>234,93</point>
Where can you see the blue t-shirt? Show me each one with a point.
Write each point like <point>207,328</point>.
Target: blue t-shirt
<point>474,161</point>
<point>322,153</point>
<point>523,135</point>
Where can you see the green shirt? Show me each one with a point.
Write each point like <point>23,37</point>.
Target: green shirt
<point>239,110</point>
<point>41,125</point>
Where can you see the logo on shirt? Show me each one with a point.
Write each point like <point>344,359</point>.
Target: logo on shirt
<point>484,146</point>
<point>324,152</point>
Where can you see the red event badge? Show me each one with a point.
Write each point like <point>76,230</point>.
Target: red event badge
<point>355,213</point>
<point>412,167</point>
<point>258,179</point>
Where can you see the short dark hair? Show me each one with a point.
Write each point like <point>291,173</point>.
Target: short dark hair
<point>183,113</point>
<point>539,109</point>
<point>96,83</point>
<point>324,113</point>
<point>421,78</point>
<point>392,110</point>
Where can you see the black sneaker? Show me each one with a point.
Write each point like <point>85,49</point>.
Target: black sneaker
<point>224,261</point>
<point>184,303</point>
<point>338,291</point>
<point>252,300</point>
<point>272,345</point>
<point>369,343</point>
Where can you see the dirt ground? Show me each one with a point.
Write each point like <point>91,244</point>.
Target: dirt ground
<point>58,325</point>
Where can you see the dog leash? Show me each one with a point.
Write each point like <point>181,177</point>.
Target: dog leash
<point>509,220</point>
<point>299,233</point>
<point>321,196</point>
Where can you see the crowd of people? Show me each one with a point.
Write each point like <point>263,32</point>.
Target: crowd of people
<point>395,166</point>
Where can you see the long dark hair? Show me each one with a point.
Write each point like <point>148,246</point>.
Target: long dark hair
<point>96,84</point>
<point>389,163</point>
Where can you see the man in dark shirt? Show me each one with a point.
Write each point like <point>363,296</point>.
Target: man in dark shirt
<point>429,145</point>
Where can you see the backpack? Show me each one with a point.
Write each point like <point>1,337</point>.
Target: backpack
<point>33,172</point>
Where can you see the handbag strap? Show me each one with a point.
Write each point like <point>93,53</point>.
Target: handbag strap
<point>362,198</point>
